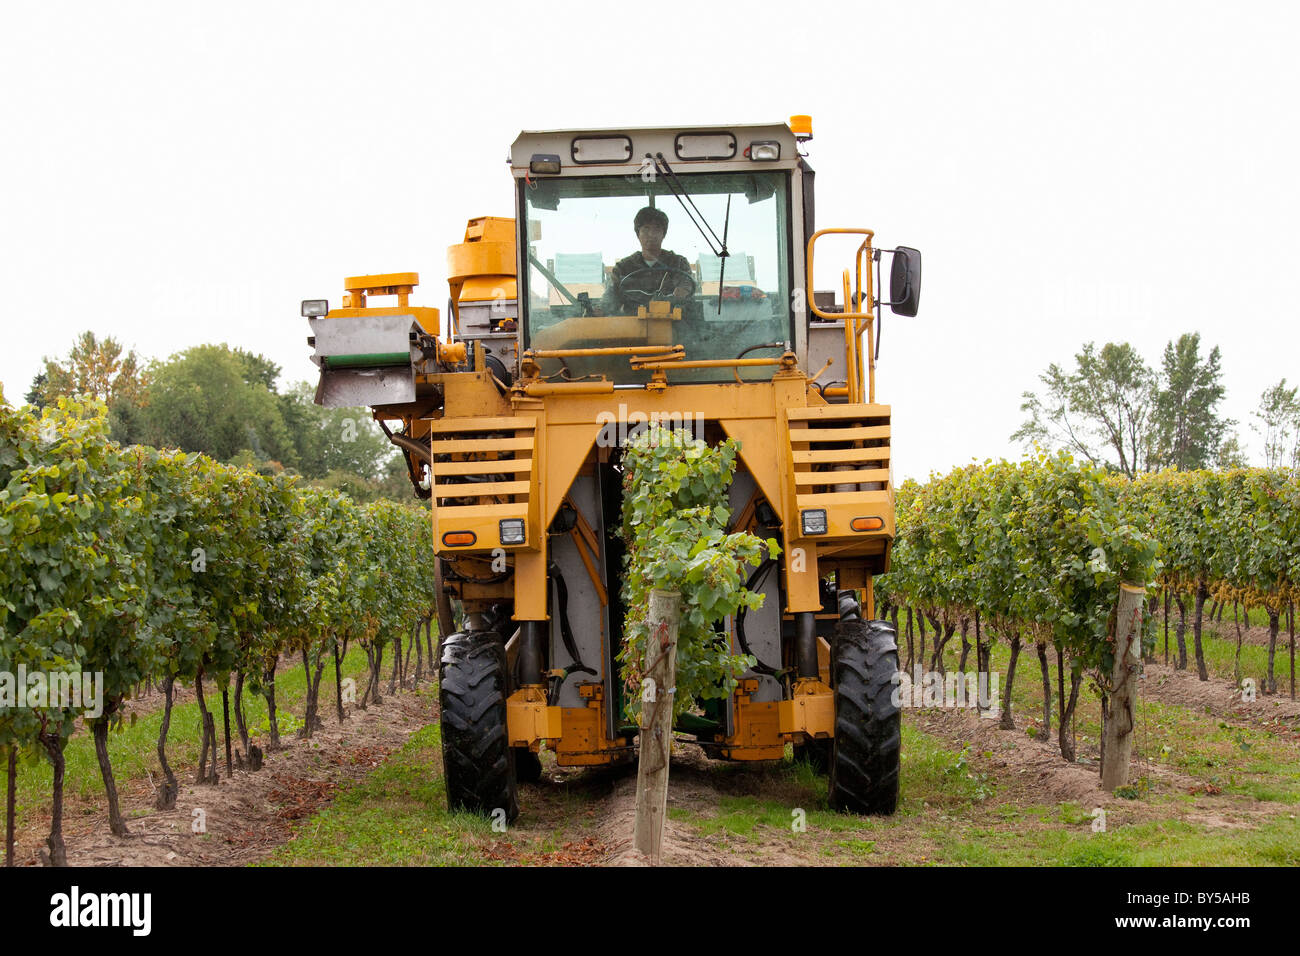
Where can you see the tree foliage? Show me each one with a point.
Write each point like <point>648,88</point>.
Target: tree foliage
<point>1103,409</point>
<point>94,368</point>
<point>1277,422</point>
<point>224,402</point>
<point>1189,430</point>
<point>1113,410</point>
<point>210,399</point>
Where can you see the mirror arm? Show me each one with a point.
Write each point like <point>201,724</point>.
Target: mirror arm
<point>880,312</point>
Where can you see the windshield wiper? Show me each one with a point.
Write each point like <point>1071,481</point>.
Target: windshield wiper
<point>719,250</point>
<point>717,246</point>
<point>722,260</point>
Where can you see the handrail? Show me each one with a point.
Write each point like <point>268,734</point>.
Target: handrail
<point>852,330</point>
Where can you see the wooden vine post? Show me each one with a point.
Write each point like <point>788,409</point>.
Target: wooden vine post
<point>1117,745</point>
<point>658,689</point>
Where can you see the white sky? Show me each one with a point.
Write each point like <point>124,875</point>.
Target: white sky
<point>183,173</point>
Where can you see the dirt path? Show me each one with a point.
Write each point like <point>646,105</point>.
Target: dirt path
<point>248,814</point>
<point>1032,772</point>
<point>720,814</point>
<point>1219,697</point>
<point>590,814</point>
<point>595,811</point>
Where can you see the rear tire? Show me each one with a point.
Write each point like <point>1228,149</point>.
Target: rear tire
<point>868,724</point>
<point>477,761</point>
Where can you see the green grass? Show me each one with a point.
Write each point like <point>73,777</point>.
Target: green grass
<point>741,816</point>
<point>850,851</point>
<point>1219,644</point>
<point>396,816</point>
<point>952,807</point>
<point>1027,704</point>
<point>1160,843</point>
<point>133,748</point>
<point>934,778</point>
<point>1237,758</point>
<point>948,804</point>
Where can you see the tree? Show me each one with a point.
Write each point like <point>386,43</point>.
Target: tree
<point>33,396</point>
<point>257,369</point>
<point>1188,430</point>
<point>97,368</point>
<point>1279,425</point>
<point>1231,454</point>
<point>1104,410</point>
<point>215,400</point>
<point>336,439</point>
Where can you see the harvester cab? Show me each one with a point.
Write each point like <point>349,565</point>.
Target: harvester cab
<point>647,275</point>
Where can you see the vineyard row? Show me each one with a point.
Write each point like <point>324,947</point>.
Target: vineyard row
<point>1034,553</point>
<point>140,566</point>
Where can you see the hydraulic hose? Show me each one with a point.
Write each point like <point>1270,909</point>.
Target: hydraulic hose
<point>566,635</point>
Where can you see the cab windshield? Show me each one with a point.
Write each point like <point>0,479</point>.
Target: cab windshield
<point>605,252</point>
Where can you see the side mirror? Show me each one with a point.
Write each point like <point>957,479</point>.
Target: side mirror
<point>905,281</point>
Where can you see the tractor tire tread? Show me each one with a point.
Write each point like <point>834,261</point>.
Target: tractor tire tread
<point>867,746</point>
<point>478,764</point>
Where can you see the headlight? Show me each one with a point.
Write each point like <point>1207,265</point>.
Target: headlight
<point>512,531</point>
<point>765,152</point>
<point>311,308</point>
<point>814,521</point>
<point>544,164</point>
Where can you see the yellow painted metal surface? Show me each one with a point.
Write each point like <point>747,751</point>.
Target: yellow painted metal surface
<point>482,268</point>
<point>369,284</point>
<point>499,453</point>
<point>856,320</point>
<point>583,742</point>
<point>811,710</point>
<point>529,719</point>
<point>425,316</point>
<point>758,728</point>
<point>565,449</point>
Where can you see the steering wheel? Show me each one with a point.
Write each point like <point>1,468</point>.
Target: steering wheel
<point>624,292</point>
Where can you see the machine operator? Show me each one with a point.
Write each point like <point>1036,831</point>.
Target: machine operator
<point>654,273</point>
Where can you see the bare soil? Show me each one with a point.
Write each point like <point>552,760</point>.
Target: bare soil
<point>248,814</point>
<point>1027,773</point>
<point>1220,698</point>
<point>584,817</point>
